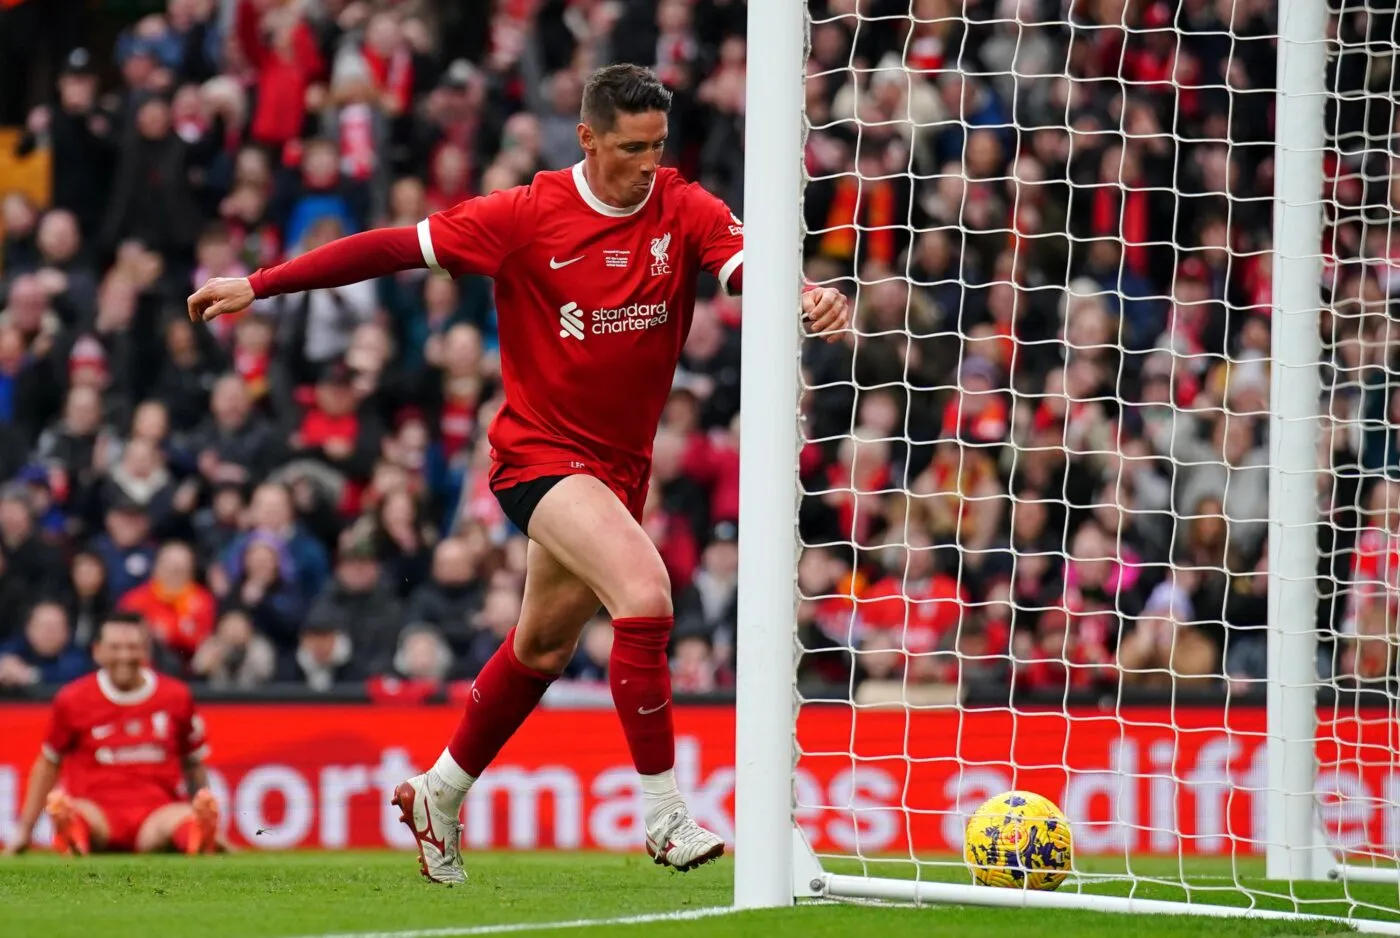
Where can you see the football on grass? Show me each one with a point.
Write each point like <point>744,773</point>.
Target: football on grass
<point>1018,839</point>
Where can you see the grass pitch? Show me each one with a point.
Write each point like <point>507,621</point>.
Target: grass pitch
<point>300,895</point>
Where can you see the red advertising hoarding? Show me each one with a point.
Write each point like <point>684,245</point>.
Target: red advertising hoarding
<point>1142,779</point>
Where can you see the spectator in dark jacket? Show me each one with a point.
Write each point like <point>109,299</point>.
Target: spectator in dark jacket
<point>452,595</point>
<point>151,197</point>
<point>186,375</point>
<point>709,606</point>
<point>268,590</point>
<point>29,558</point>
<point>217,527</point>
<point>80,135</point>
<point>710,365</point>
<point>325,656</point>
<point>86,597</point>
<point>44,654</point>
<point>77,449</point>
<point>14,599</point>
<point>126,548</point>
<point>63,267</point>
<point>358,603</point>
<point>234,444</point>
<point>405,541</point>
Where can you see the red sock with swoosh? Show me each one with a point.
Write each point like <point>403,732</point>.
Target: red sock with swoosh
<point>640,677</point>
<point>503,695</point>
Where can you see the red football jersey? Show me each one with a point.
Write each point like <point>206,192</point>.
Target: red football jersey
<point>594,306</point>
<point>127,747</point>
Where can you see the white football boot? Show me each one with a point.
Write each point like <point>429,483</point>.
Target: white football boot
<point>438,833</point>
<point>675,840</point>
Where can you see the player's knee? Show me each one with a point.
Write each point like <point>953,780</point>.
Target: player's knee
<point>644,596</point>
<point>543,653</point>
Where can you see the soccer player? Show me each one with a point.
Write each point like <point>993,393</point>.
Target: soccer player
<point>595,270</point>
<point>125,738</point>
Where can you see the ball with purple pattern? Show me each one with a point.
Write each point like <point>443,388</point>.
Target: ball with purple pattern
<point>1020,840</point>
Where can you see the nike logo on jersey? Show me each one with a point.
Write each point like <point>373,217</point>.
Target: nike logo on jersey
<point>555,265</point>
<point>645,712</point>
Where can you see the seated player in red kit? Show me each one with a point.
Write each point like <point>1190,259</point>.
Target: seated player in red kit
<point>124,740</point>
<point>595,269</point>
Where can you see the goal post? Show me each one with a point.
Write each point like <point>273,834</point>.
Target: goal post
<point>1293,434</point>
<point>768,443</point>
<point>1054,516</point>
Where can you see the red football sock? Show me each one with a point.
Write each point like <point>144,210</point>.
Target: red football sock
<point>183,837</point>
<point>641,689</point>
<point>502,697</point>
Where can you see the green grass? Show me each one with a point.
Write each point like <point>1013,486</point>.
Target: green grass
<point>266,895</point>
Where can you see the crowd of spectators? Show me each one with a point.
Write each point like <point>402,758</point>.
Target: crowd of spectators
<point>1039,460</point>
<point>1051,421</point>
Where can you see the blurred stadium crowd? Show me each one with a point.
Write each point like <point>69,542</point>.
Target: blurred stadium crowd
<point>1041,455</point>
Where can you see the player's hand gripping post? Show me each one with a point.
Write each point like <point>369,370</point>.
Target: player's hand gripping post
<point>825,311</point>
<point>220,296</point>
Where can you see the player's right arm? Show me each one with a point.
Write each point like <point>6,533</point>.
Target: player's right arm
<point>43,776</point>
<point>42,779</point>
<point>471,237</point>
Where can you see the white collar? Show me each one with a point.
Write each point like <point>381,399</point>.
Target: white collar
<point>598,205</point>
<point>127,697</point>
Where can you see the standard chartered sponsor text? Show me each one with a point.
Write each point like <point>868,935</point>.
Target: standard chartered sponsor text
<point>631,318</point>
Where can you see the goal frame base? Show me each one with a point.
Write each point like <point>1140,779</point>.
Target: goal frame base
<point>1355,873</point>
<point>811,881</point>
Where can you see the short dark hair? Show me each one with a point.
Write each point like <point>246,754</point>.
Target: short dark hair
<point>122,618</point>
<point>627,89</point>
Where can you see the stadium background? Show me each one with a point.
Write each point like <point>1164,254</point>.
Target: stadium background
<point>297,501</point>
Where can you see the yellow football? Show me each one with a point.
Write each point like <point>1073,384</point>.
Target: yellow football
<point>1019,839</point>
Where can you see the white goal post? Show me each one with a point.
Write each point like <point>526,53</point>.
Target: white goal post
<point>806,830</point>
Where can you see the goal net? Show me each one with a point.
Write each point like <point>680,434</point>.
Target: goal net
<point>1100,498</point>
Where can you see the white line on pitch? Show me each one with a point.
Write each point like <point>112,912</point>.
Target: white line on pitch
<point>513,927</point>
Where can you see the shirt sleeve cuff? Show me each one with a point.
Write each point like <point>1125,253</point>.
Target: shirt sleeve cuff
<point>50,753</point>
<point>728,269</point>
<point>425,243</point>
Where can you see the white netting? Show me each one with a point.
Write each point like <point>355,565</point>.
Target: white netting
<point>1042,558</point>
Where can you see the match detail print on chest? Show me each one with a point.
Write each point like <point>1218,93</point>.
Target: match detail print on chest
<point>621,266</point>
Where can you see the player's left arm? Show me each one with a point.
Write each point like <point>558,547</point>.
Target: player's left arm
<point>825,310</point>
<point>194,748</point>
<point>196,775</point>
